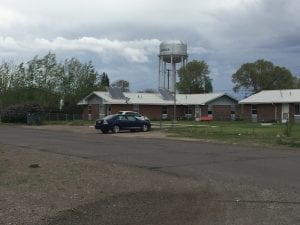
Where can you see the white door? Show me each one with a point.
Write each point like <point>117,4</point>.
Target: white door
<point>285,113</point>
<point>102,110</point>
<point>197,111</point>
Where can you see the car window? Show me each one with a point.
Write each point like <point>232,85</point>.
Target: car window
<point>129,114</point>
<point>131,118</point>
<point>133,114</point>
<point>121,117</point>
<point>109,117</point>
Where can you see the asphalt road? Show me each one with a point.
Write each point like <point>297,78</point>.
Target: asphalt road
<point>256,185</point>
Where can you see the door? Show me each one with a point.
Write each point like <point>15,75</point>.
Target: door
<point>123,122</point>
<point>102,110</point>
<point>197,111</point>
<point>285,112</point>
<point>254,113</point>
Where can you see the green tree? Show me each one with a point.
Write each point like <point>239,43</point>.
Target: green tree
<point>36,81</point>
<point>20,77</point>
<point>193,78</point>
<point>262,75</point>
<point>104,82</point>
<point>77,81</point>
<point>6,75</point>
<point>148,90</point>
<point>122,84</point>
<point>46,81</point>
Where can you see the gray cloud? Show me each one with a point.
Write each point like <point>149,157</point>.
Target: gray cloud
<point>122,37</point>
<point>136,51</point>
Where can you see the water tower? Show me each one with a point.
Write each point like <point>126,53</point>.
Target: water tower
<point>170,54</point>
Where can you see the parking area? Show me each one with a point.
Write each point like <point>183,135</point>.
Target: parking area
<point>83,175</point>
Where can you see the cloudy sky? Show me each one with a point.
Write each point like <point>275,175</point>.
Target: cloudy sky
<point>122,37</point>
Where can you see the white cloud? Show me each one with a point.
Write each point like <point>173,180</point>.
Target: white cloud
<point>9,46</point>
<point>10,18</point>
<point>132,51</point>
<point>224,33</point>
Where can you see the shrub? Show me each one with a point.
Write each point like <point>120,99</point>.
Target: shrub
<point>288,128</point>
<point>19,113</point>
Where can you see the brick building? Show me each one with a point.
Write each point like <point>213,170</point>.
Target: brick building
<point>272,106</point>
<point>159,105</point>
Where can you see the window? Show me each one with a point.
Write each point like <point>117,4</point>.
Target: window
<point>137,114</point>
<point>132,114</point>
<point>253,109</point>
<point>129,113</point>
<point>232,109</point>
<point>164,110</point>
<point>121,117</point>
<point>90,109</point>
<point>188,109</point>
<point>297,109</point>
<point>131,118</point>
<point>210,110</point>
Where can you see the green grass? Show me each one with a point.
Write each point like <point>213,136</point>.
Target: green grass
<point>70,122</point>
<point>238,132</point>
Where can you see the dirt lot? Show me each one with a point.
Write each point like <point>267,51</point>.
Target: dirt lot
<point>91,129</point>
<point>45,188</point>
<point>73,175</point>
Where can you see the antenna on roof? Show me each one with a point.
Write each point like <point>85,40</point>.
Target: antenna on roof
<point>116,93</point>
<point>166,94</point>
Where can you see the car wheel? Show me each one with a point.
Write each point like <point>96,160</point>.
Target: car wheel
<point>104,131</point>
<point>116,129</point>
<point>144,128</point>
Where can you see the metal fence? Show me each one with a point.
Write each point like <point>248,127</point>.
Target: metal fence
<point>61,117</point>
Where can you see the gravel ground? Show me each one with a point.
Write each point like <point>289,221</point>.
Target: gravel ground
<point>92,130</point>
<point>70,190</point>
<point>39,187</point>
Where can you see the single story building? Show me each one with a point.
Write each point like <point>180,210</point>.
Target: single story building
<point>272,106</point>
<point>159,105</point>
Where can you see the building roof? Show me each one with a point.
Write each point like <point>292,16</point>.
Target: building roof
<point>199,99</point>
<point>147,99</point>
<point>273,96</point>
<point>155,98</point>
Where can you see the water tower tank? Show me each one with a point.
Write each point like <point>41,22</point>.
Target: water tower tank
<point>170,54</point>
<point>177,50</point>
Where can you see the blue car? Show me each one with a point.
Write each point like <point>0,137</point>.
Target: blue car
<point>117,122</point>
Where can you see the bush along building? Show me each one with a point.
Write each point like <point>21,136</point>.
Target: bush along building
<point>156,106</point>
<point>272,106</point>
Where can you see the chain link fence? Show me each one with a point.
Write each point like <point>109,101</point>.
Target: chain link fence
<point>61,117</point>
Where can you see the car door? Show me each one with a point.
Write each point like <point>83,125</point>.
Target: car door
<point>122,122</point>
<point>133,122</point>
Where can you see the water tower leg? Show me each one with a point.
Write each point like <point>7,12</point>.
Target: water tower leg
<point>159,73</point>
<point>164,74</point>
<point>174,88</point>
